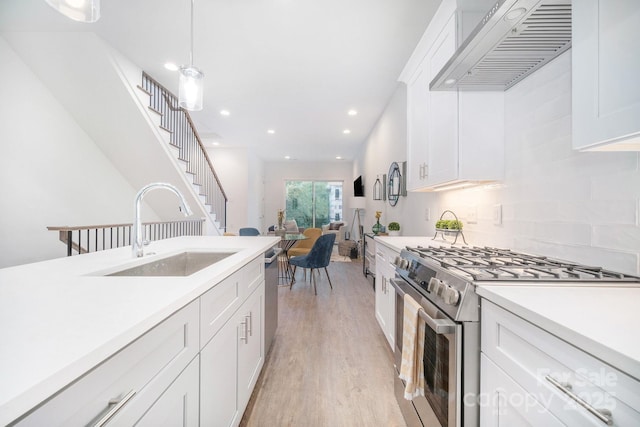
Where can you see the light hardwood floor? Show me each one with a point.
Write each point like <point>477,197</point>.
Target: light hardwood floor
<point>330,364</point>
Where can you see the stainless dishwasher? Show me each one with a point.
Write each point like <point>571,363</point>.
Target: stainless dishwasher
<point>270,296</point>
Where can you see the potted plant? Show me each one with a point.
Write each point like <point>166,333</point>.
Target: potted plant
<point>449,225</point>
<point>394,228</point>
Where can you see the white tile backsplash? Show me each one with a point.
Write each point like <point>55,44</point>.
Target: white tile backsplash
<point>577,206</point>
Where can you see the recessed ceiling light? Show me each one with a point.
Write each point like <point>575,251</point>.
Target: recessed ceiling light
<point>346,131</point>
<point>171,66</point>
<point>224,112</point>
<point>352,113</point>
<point>338,157</point>
<point>287,157</point>
<point>216,143</point>
<point>271,131</point>
<point>449,81</point>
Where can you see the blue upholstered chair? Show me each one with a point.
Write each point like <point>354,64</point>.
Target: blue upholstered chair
<point>249,231</point>
<point>318,257</point>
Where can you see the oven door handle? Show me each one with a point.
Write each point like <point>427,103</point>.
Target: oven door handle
<point>439,326</point>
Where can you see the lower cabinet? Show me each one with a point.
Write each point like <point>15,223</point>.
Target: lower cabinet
<point>179,404</point>
<point>385,294</point>
<point>230,364</point>
<point>122,389</point>
<point>531,377</point>
<point>506,404</point>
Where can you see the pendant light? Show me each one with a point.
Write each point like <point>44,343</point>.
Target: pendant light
<point>190,89</point>
<point>79,10</point>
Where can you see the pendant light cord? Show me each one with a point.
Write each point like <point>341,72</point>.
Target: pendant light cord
<point>191,52</point>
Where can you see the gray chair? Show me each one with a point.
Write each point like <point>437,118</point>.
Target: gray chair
<point>249,231</point>
<point>318,257</point>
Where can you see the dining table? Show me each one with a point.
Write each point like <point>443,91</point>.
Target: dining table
<point>284,268</point>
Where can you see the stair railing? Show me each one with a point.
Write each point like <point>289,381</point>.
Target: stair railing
<point>185,137</point>
<point>93,238</point>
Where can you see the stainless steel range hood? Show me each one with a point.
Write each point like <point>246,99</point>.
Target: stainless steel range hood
<point>515,38</point>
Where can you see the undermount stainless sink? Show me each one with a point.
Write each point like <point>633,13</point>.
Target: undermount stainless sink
<point>182,264</point>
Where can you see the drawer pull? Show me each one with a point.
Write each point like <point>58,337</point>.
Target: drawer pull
<point>603,415</point>
<point>245,337</point>
<point>116,406</point>
<point>250,320</point>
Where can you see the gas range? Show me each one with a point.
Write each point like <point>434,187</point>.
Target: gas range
<point>448,276</point>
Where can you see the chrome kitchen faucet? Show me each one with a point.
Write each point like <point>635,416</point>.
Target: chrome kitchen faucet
<point>138,244</point>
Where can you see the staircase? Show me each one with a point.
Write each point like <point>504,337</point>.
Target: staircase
<point>186,146</point>
<point>144,140</point>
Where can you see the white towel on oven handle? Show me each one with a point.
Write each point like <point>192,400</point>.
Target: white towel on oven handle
<point>411,368</point>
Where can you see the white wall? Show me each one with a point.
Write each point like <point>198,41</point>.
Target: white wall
<point>276,173</point>
<point>241,175</point>
<point>52,173</point>
<point>387,143</point>
<point>583,207</point>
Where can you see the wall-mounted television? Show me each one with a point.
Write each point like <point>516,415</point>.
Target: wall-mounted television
<point>358,188</point>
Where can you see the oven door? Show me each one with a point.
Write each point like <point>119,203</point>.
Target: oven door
<point>442,365</point>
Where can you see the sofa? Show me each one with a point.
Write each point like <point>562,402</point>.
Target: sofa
<point>338,228</point>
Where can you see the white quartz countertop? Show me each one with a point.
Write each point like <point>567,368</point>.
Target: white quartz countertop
<point>60,318</point>
<point>397,243</point>
<point>601,321</point>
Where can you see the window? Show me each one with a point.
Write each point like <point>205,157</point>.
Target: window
<point>310,202</point>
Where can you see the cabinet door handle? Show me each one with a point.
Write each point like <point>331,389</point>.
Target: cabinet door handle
<point>245,337</point>
<point>115,405</point>
<point>385,286</point>
<point>250,327</point>
<point>603,415</point>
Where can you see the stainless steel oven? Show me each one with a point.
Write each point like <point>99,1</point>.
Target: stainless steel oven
<point>443,280</point>
<point>441,362</point>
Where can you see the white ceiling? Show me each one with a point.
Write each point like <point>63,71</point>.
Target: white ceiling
<point>293,66</point>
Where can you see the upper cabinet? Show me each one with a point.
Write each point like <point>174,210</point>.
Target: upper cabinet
<point>453,138</point>
<point>605,69</point>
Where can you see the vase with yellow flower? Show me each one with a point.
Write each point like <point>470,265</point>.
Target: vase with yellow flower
<point>279,229</point>
<point>377,226</point>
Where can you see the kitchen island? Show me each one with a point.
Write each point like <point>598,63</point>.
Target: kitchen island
<point>62,318</point>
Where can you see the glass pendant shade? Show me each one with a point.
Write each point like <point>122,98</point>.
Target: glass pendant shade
<point>78,10</point>
<point>190,89</point>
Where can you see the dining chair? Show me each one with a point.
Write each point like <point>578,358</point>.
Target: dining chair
<point>303,247</point>
<point>318,257</point>
<point>249,231</point>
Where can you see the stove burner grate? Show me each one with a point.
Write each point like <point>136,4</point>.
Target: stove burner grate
<point>492,264</point>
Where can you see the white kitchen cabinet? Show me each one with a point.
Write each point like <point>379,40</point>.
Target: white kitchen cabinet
<point>452,137</point>
<point>417,126</point>
<point>544,378</point>
<point>218,377</point>
<point>220,302</point>
<point>230,364</point>
<point>605,68</point>
<point>179,405</point>
<point>506,404</point>
<point>143,370</point>
<point>442,111</point>
<point>385,295</point>
<point>250,345</point>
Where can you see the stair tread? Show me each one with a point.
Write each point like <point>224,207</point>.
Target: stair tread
<point>155,111</point>
<point>144,90</point>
